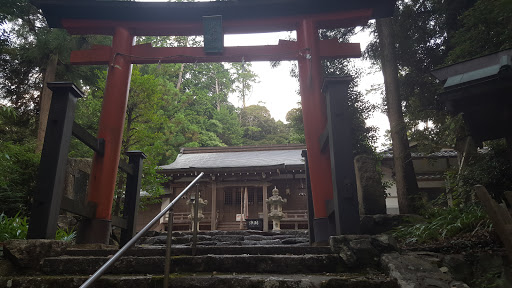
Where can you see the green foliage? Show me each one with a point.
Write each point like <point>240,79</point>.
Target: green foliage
<point>13,227</point>
<point>491,277</point>
<point>230,131</point>
<point>485,28</point>
<point>18,177</point>
<point>260,128</point>
<point>243,79</point>
<point>492,169</point>
<point>425,34</point>
<point>296,123</point>
<point>16,227</point>
<point>67,235</point>
<point>442,223</point>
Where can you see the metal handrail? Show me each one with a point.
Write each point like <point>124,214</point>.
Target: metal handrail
<point>123,249</point>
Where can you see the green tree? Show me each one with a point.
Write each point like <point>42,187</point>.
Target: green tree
<point>405,178</point>
<point>18,177</point>
<point>296,124</point>
<point>484,28</point>
<point>243,79</point>
<point>230,130</point>
<point>31,55</point>
<point>423,31</point>
<point>257,123</point>
<point>434,33</point>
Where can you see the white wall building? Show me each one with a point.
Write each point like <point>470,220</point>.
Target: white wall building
<point>429,169</point>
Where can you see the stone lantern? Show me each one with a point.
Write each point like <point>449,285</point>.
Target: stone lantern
<point>276,209</point>
<point>201,203</point>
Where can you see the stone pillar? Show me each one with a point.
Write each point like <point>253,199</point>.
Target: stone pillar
<point>345,207</point>
<point>265,208</point>
<point>370,191</point>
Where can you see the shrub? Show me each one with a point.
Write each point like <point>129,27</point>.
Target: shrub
<point>18,177</point>
<point>66,234</point>
<point>13,228</point>
<point>17,227</point>
<point>444,223</point>
<point>492,169</point>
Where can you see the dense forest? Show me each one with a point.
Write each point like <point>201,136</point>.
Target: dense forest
<point>186,105</point>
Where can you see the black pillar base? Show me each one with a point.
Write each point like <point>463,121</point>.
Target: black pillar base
<point>323,229</point>
<point>94,231</point>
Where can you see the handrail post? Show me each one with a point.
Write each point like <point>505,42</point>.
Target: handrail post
<point>136,238</point>
<point>54,158</point>
<point>167,268</point>
<point>132,195</point>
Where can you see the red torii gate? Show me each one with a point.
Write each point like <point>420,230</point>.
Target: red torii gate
<point>125,20</point>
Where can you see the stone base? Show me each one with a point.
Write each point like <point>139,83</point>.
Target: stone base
<point>322,230</point>
<point>94,231</point>
<point>362,251</point>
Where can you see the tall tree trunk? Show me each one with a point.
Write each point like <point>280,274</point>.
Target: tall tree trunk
<point>217,92</point>
<point>405,177</point>
<point>180,77</point>
<point>243,93</point>
<point>45,100</point>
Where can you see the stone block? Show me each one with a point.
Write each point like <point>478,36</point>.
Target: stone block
<point>359,251</point>
<point>77,177</point>
<point>30,253</point>
<point>370,191</point>
<point>417,270</point>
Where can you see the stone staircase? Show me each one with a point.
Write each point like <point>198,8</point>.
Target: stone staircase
<point>230,226</point>
<point>226,259</point>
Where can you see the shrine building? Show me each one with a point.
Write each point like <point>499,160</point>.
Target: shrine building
<point>238,180</point>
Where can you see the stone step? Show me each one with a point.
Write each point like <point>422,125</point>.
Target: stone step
<point>301,233</point>
<point>148,251</point>
<point>282,264</point>
<point>231,226</point>
<point>373,280</point>
<point>239,238</point>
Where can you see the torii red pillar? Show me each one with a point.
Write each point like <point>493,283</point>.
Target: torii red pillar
<point>315,119</point>
<point>104,169</point>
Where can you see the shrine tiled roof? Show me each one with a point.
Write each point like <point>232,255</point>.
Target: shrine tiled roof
<point>237,157</point>
<point>440,154</point>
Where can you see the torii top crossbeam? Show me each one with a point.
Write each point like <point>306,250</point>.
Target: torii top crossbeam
<point>126,19</point>
<point>259,15</point>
